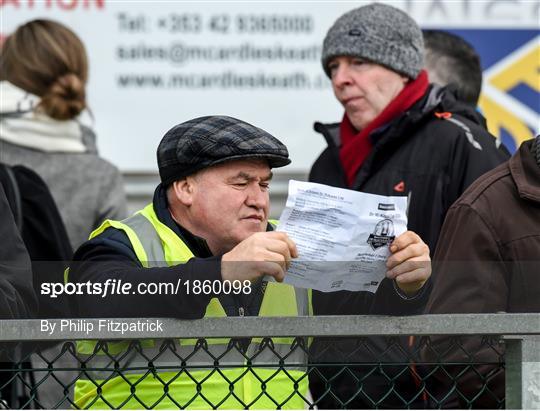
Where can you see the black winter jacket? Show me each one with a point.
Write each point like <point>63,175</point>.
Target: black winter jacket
<point>43,233</point>
<point>17,297</point>
<point>428,158</point>
<point>435,158</point>
<point>432,159</point>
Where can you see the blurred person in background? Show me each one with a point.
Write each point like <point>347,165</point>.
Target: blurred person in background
<point>487,262</point>
<point>401,136</point>
<point>17,297</point>
<point>451,60</point>
<point>43,75</point>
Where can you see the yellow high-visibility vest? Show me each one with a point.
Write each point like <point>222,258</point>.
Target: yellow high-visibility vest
<point>274,377</point>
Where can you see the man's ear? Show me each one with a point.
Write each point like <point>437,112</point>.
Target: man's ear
<point>183,190</point>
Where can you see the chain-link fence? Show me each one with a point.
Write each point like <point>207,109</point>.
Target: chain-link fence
<point>446,361</point>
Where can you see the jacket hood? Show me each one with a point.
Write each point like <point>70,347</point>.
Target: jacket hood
<point>444,99</point>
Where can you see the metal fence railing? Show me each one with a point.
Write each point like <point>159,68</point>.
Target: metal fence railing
<point>465,361</point>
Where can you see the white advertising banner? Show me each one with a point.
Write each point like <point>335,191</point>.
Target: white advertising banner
<point>154,64</point>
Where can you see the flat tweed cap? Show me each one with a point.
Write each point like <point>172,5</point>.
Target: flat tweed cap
<point>379,33</point>
<point>206,141</point>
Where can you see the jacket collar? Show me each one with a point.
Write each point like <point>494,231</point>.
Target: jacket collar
<point>417,111</point>
<point>437,98</point>
<point>526,172</point>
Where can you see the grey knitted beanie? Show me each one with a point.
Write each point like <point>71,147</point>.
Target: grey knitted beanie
<point>379,33</point>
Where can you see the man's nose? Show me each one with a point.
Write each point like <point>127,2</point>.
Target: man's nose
<point>257,197</point>
<point>341,76</point>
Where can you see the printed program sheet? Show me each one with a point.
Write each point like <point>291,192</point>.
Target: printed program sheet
<point>343,236</point>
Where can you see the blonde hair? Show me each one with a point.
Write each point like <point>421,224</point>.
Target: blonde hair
<point>47,59</point>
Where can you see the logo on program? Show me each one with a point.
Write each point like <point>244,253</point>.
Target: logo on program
<point>382,235</point>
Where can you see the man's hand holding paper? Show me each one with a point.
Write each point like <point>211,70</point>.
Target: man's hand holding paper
<point>267,253</point>
<point>409,263</point>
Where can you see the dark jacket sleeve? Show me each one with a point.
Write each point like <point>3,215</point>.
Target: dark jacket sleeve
<point>45,238</point>
<point>109,257</point>
<point>468,277</point>
<point>390,301</point>
<point>17,297</point>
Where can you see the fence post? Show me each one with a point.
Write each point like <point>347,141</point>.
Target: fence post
<point>523,372</point>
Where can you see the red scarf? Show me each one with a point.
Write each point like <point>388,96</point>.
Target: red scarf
<point>355,146</point>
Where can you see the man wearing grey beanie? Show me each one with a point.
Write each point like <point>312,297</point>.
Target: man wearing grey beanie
<point>399,135</point>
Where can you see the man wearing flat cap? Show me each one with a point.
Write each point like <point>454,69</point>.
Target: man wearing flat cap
<point>401,136</point>
<point>208,223</point>
<point>207,229</point>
